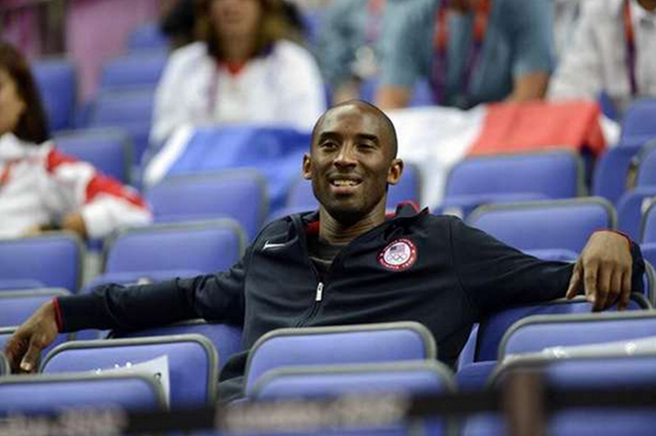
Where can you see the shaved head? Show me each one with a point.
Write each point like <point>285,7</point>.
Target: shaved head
<point>388,126</point>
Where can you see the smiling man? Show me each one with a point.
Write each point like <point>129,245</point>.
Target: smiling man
<point>349,264</point>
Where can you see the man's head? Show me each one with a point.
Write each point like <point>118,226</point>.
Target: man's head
<point>352,160</point>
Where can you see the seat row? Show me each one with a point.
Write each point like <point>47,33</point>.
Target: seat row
<point>373,359</point>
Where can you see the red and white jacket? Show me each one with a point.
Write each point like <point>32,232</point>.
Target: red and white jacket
<point>40,185</point>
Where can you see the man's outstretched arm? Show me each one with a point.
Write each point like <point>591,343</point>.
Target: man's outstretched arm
<point>217,297</point>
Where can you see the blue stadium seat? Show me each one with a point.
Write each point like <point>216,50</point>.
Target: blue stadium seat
<point>57,82</point>
<point>109,150</point>
<point>611,172</point>
<point>603,373</point>
<point>148,36</point>
<point>367,343</point>
<point>478,358</point>
<point>4,365</point>
<point>408,189</point>
<point>226,338</point>
<point>631,207</point>
<point>489,179</point>
<point>648,226</point>
<point>49,394</point>
<point>192,362</point>
<point>649,252</point>
<point>556,224</point>
<point>17,306</point>
<point>646,166</point>
<point>207,247</point>
<point>535,333</point>
<point>16,284</point>
<point>136,69</point>
<point>52,259</point>
<point>238,194</point>
<point>638,123</point>
<point>405,378</point>
<point>130,110</point>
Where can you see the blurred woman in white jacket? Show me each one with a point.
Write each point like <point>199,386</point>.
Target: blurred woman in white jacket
<point>41,188</point>
<point>245,70</point>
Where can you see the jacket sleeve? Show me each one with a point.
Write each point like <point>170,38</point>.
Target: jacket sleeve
<point>104,203</point>
<point>217,297</point>
<point>495,276</point>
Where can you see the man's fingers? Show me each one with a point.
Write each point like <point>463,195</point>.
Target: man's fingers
<point>31,358</point>
<point>590,283</point>
<point>604,292</point>
<point>625,294</point>
<point>574,282</point>
<point>615,290</point>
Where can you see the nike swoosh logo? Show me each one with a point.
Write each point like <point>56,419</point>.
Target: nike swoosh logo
<point>268,245</point>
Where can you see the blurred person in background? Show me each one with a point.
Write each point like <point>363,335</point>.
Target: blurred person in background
<point>613,52</point>
<point>350,43</point>
<point>41,188</point>
<point>472,51</point>
<point>246,69</point>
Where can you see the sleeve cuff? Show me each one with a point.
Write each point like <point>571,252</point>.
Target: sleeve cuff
<point>79,312</point>
<point>58,317</point>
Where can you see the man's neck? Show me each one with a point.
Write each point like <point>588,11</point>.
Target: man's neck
<point>335,232</point>
<point>237,49</point>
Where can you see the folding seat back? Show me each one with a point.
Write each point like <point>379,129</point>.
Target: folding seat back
<point>649,225</point>
<point>238,194</point>
<point>53,259</point>
<point>17,306</point>
<point>226,338</point>
<point>491,331</point>
<point>57,83</point>
<point>556,174</point>
<point>129,109</point>
<point>647,164</point>
<point>631,208</point>
<point>4,365</point>
<point>408,189</point>
<point>366,380</point>
<point>611,171</point>
<point>143,68</point>
<point>50,394</point>
<point>16,284</point>
<point>207,247</point>
<point>148,36</point>
<point>557,224</point>
<point>591,373</point>
<point>638,123</point>
<point>192,363</point>
<point>535,333</point>
<point>367,343</point>
<point>109,150</point>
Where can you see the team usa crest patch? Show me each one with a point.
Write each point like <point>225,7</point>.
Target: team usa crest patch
<point>399,255</point>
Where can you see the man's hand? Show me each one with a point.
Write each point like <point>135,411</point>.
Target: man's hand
<point>24,348</point>
<point>604,269</point>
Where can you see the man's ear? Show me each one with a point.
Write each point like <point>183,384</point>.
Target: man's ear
<point>395,171</point>
<point>307,166</point>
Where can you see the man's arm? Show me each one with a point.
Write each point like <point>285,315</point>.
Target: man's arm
<point>218,297</point>
<point>533,50</point>
<point>495,276</point>
<point>406,53</point>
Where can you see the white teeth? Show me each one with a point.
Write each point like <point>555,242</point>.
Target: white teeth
<point>344,182</point>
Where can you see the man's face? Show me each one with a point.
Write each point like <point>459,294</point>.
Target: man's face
<point>351,162</point>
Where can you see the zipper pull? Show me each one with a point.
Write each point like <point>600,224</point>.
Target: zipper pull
<point>319,292</point>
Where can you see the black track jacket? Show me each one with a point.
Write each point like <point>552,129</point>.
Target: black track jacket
<point>414,267</point>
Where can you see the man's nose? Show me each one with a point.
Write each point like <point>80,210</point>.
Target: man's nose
<point>346,156</point>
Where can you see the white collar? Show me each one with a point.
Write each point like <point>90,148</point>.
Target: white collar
<point>12,148</point>
<point>640,14</point>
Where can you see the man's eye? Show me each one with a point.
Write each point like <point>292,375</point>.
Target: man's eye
<point>328,145</point>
